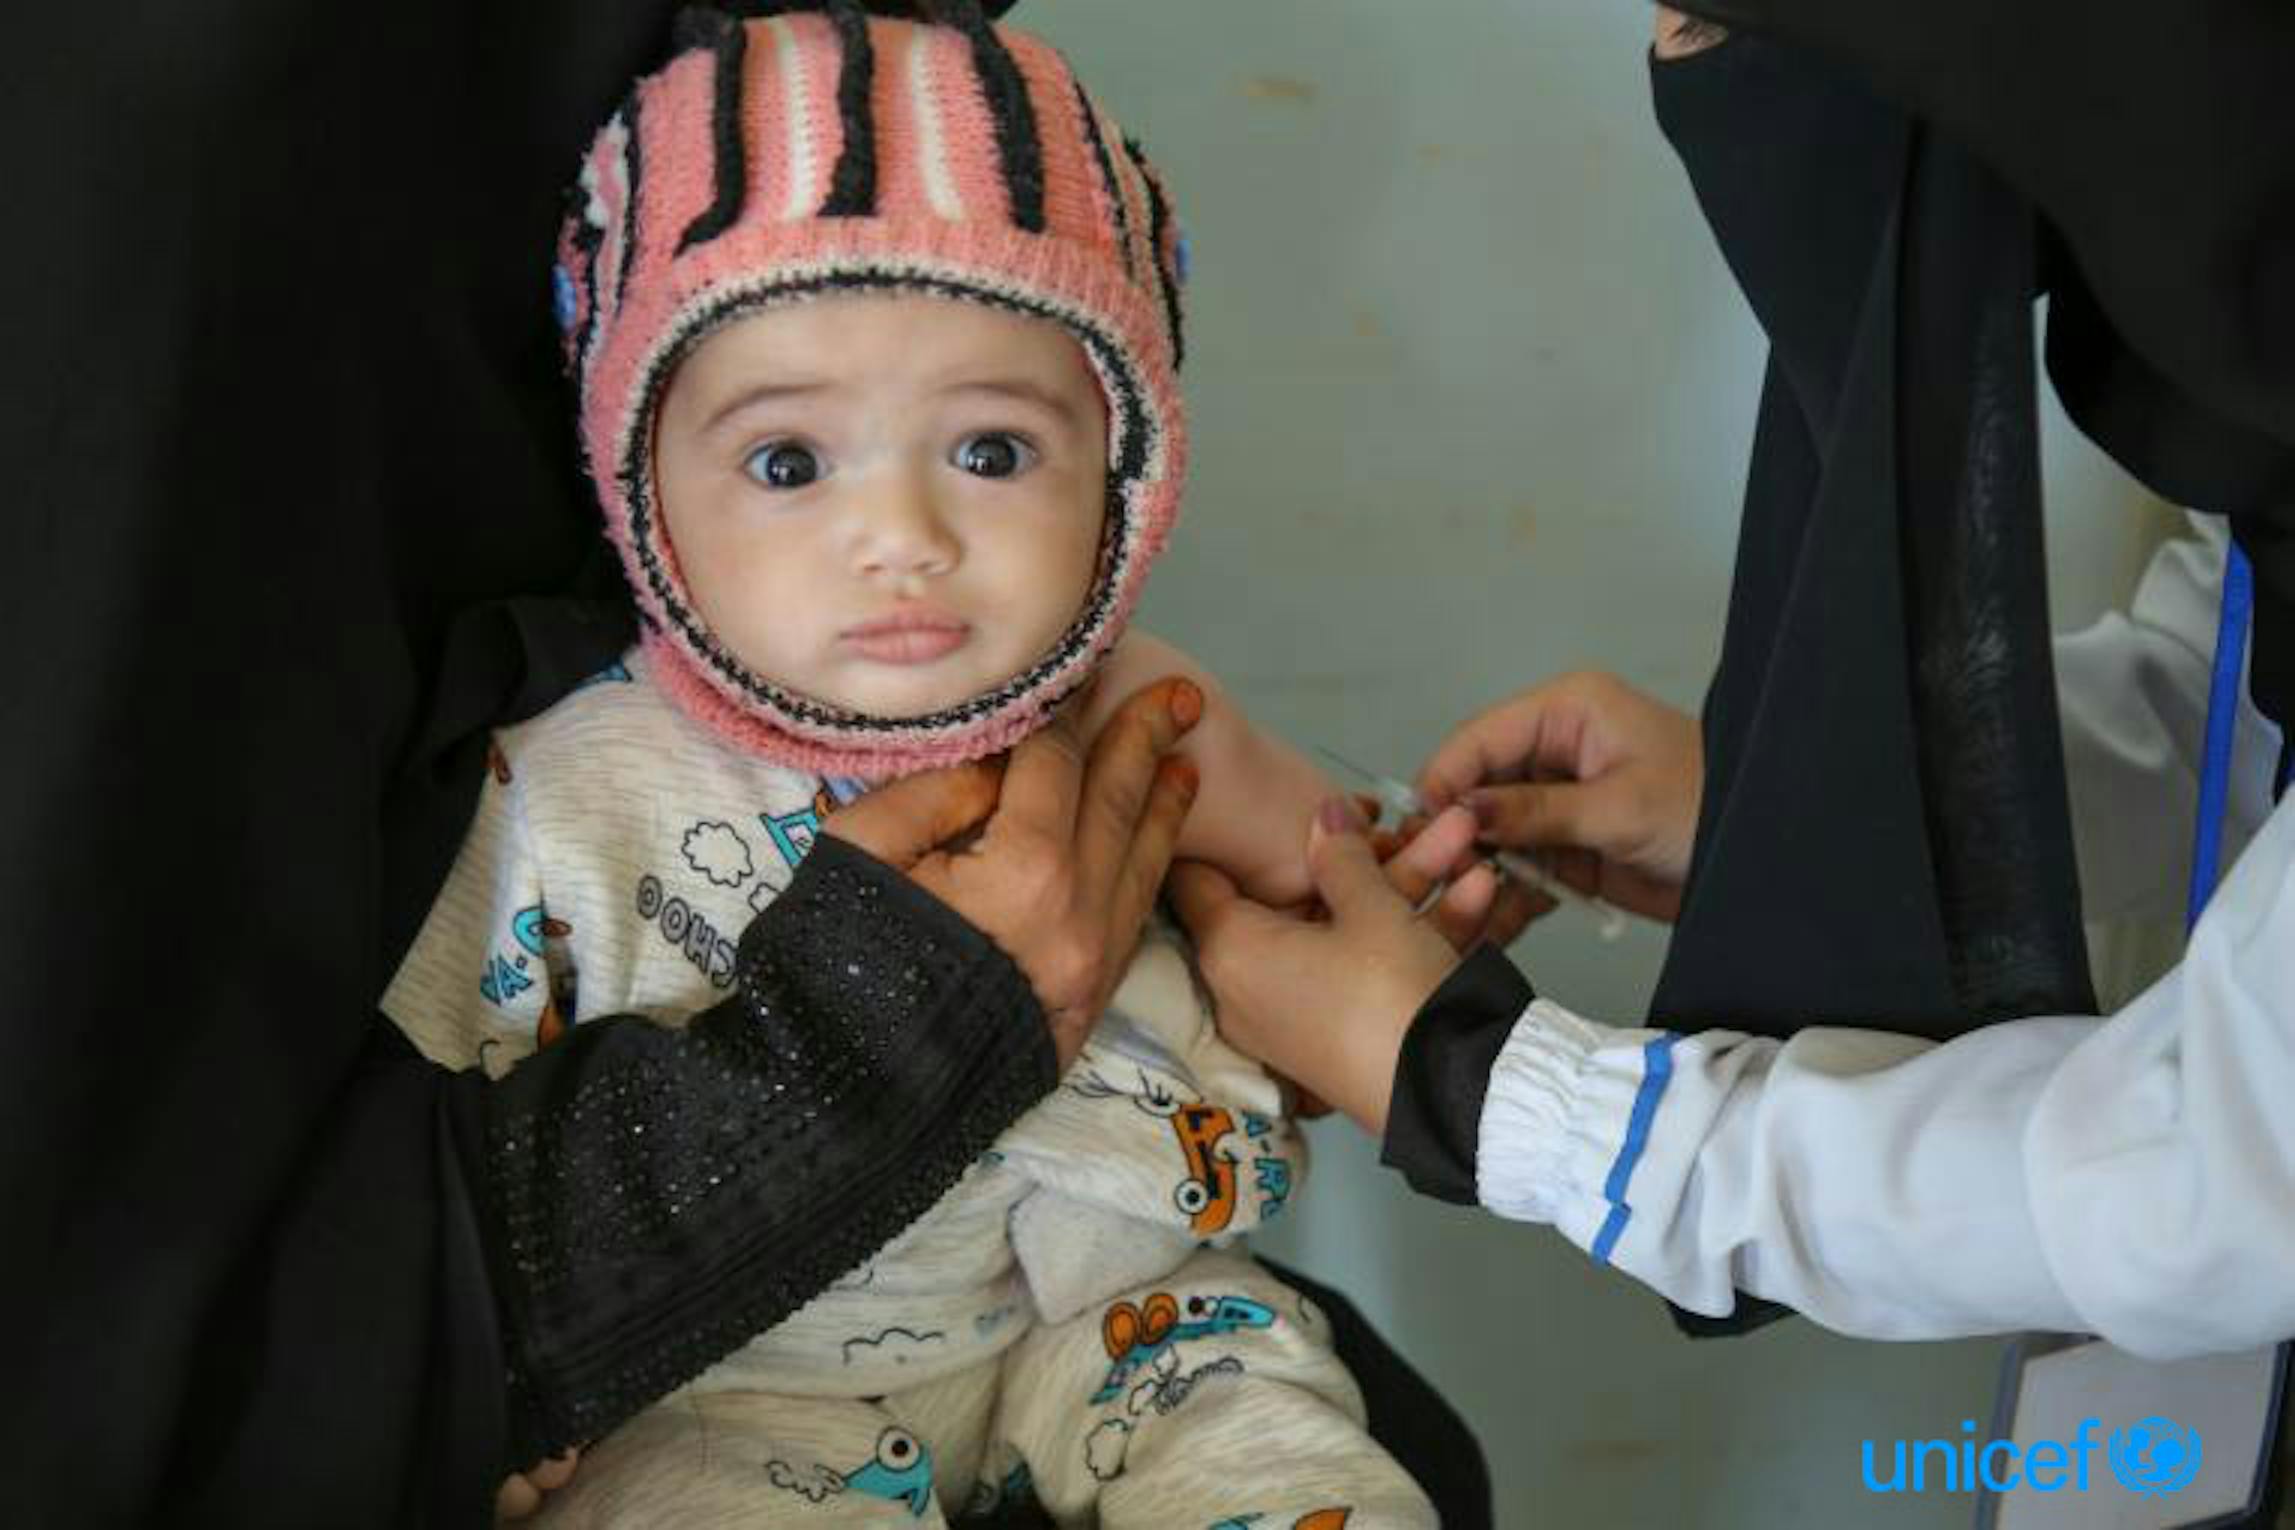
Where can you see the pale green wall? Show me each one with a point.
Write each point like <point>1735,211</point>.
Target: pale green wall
<point>1472,398</point>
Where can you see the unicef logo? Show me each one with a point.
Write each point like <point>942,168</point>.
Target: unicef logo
<point>2155,1455</point>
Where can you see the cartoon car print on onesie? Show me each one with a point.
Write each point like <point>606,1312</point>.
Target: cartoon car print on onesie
<point>793,833</point>
<point>1207,1196</point>
<point>506,977</point>
<point>1134,1336</point>
<point>898,1471</point>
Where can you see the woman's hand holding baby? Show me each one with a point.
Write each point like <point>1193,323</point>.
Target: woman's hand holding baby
<point>1072,845</point>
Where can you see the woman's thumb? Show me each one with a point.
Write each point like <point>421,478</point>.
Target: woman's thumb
<point>1345,870</point>
<point>904,821</point>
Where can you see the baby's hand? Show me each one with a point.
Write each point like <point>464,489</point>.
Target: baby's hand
<point>522,1492</point>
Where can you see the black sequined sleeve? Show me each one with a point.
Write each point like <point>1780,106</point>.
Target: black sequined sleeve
<point>650,1198</point>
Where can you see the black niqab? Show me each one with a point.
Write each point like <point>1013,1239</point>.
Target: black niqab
<point>291,519</point>
<point>1885,832</point>
<point>1885,836</point>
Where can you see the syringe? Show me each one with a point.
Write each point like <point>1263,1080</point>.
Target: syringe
<point>1399,798</point>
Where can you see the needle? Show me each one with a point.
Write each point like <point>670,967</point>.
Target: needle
<point>1398,798</point>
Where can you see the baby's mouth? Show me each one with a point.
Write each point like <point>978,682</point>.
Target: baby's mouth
<point>917,635</point>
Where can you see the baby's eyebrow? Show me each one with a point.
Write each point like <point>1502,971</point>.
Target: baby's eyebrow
<point>1021,388</point>
<point>763,393</point>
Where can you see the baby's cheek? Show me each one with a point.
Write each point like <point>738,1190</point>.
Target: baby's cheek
<point>761,610</point>
<point>1047,603</point>
<point>1073,519</point>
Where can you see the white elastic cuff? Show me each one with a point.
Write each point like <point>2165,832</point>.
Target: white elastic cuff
<point>1560,1096</point>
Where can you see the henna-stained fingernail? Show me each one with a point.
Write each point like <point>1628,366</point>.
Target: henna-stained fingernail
<point>1338,816</point>
<point>1186,704</point>
<point>1183,776</point>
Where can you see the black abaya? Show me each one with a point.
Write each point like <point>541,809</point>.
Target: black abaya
<point>291,520</point>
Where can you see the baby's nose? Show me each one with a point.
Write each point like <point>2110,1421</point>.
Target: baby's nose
<point>905,533</point>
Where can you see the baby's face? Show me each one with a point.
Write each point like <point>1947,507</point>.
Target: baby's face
<point>891,504</point>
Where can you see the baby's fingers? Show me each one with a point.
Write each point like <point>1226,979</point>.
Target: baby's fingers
<point>521,1493</point>
<point>517,1498</point>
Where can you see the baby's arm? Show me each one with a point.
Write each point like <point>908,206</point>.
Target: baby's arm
<point>1258,795</point>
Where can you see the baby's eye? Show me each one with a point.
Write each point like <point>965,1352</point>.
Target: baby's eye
<point>994,454</point>
<point>783,465</point>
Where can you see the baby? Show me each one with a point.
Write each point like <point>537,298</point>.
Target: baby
<point>875,324</point>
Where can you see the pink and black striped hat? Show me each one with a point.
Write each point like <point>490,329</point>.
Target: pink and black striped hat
<point>817,148</point>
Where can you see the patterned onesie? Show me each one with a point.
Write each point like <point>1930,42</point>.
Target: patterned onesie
<point>1064,1323</point>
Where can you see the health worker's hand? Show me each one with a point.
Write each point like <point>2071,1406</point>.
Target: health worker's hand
<point>1325,998</point>
<point>1600,780</point>
<point>1070,850</point>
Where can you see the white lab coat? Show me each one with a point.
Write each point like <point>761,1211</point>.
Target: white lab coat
<point>2132,1177</point>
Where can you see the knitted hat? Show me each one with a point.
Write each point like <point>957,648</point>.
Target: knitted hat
<point>817,149</point>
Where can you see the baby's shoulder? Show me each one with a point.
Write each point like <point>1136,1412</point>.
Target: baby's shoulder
<point>612,711</point>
